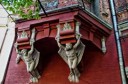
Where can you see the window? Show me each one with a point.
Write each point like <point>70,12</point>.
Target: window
<point>122,10</point>
<point>49,4</point>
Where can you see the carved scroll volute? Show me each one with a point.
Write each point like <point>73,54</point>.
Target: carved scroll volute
<point>71,48</point>
<point>28,53</point>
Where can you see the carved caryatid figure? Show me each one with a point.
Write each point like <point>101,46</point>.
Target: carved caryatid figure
<point>71,54</point>
<point>29,56</point>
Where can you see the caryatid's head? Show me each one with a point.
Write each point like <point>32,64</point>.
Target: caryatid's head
<point>24,52</point>
<point>69,46</point>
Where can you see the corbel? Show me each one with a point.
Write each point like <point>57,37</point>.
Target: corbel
<point>26,51</point>
<point>126,71</point>
<point>103,45</point>
<point>78,27</point>
<point>70,51</point>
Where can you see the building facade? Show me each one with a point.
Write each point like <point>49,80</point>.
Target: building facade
<point>7,34</point>
<point>98,61</point>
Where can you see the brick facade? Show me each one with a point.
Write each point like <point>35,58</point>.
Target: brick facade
<point>95,67</point>
<point>98,68</point>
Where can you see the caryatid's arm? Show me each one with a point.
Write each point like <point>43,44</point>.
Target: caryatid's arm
<point>33,33</point>
<point>58,42</point>
<point>78,41</point>
<point>78,35</point>
<point>32,47</point>
<point>18,53</point>
<point>32,40</point>
<point>57,38</point>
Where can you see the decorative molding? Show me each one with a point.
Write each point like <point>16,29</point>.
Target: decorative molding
<point>67,26</point>
<point>123,29</point>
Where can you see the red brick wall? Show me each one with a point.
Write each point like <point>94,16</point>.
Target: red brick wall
<point>98,68</point>
<point>124,43</point>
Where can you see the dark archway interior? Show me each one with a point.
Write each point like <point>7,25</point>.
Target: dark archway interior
<point>47,48</point>
<point>53,68</point>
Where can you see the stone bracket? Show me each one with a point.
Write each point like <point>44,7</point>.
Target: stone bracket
<point>25,50</point>
<point>126,70</point>
<point>70,51</point>
<point>103,45</point>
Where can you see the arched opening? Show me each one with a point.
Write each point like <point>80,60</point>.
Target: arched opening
<point>53,68</point>
<point>51,65</point>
